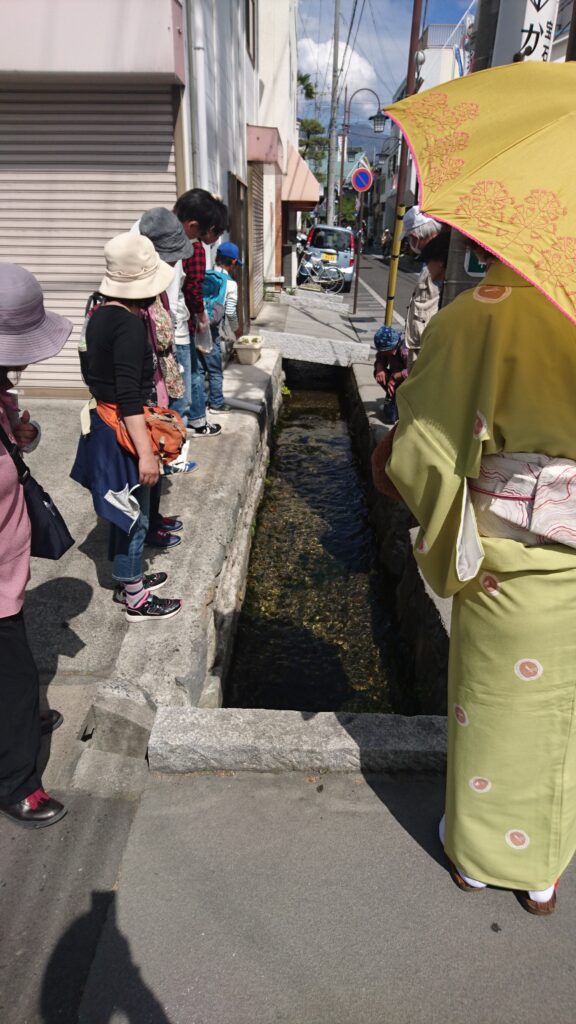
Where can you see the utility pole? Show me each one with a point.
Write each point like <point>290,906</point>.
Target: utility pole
<point>571,47</point>
<point>403,169</point>
<point>343,151</point>
<point>330,217</point>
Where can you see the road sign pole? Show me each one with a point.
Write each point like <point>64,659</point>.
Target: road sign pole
<point>359,240</point>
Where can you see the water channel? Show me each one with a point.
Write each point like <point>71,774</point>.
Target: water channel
<point>314,629</point>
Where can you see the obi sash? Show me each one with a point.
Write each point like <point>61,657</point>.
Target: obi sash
<point>526,497</point>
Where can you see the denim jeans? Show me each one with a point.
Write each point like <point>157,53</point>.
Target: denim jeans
<point>212,369</point>
<point>127,550</point>
<point>192,406</point>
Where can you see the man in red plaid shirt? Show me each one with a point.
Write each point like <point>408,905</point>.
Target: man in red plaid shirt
<point>203,218</point>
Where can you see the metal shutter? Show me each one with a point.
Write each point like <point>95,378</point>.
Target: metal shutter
<point>76,168</point>
<point>256,201</point>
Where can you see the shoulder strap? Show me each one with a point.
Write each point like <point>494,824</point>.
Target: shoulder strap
<point>12,449</point>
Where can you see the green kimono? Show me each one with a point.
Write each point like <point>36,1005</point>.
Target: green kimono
<point>497,373</point>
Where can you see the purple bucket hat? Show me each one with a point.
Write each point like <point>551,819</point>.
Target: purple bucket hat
<point>28,334</point>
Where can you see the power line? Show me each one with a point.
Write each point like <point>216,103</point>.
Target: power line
<point>353,45</point>
<point>381,48</point>
<point>347,41</point>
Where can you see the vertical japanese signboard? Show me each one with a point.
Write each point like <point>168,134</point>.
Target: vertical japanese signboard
<point>525,30</point>
<point>538,29</point>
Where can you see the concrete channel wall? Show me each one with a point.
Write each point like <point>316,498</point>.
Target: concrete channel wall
<point>423,619</point>
<point>206,737</point>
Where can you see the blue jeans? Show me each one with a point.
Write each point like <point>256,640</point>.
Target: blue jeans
<point>126,550</point>
<point>212,367</point>
<point>192,406</point>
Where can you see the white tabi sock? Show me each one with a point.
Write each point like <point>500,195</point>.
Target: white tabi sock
<point>541,895</point>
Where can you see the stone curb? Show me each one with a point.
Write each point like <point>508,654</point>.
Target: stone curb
<point>327,351</point>
<point>241,739</point>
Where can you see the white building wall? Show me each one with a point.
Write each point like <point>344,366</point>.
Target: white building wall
<point>277,68</point>
<point>230,95</point>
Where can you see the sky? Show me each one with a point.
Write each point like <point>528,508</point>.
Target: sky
<point>376,58</point>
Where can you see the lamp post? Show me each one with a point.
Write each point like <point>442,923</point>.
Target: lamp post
<point>378,120</point>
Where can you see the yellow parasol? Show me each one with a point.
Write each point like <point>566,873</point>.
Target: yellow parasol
<point>495,154</point>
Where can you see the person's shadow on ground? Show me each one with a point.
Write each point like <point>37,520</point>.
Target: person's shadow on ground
<point>120,993</point>
<point>414,798</point>
<point>48,609</point>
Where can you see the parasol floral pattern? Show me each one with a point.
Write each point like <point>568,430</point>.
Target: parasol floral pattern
<point>487,208</point>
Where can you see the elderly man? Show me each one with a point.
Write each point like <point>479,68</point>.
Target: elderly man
<point>420,230</point>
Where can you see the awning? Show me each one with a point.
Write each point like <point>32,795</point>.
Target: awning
<point>264,146</point>
<point>299,186</point>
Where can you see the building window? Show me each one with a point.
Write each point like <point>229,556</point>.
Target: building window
<point>251,29</point>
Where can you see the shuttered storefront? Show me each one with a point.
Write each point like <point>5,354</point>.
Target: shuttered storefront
<point>76,168</point>
<point>256,203</point>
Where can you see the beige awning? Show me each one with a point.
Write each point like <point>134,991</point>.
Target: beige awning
<point>299,186</point>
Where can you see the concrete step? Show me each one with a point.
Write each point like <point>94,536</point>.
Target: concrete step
<point>245,739</point>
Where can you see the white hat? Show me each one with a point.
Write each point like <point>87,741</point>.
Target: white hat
<point>414,219</point>
<point>133,268</point>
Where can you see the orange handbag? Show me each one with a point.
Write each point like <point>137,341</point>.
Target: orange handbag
<point>166,429</point>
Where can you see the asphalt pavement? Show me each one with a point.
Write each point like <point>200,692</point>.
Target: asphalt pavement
<point>372,293</point>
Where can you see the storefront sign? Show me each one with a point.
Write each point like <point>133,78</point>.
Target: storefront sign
<point>525,30</point>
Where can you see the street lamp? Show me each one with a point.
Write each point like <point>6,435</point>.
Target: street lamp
<point>377,119</point>
<point>378,122</point>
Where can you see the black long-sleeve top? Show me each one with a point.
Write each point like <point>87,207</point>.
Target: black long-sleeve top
<point>118,366</point>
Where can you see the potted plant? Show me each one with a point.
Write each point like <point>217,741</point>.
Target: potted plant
<point>248,348</point>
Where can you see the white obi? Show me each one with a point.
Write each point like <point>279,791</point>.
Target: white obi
<point>526,497</point>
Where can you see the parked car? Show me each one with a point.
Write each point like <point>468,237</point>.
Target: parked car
<point>332,244</point>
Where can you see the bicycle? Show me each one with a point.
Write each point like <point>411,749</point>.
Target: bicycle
<point>320,271</point>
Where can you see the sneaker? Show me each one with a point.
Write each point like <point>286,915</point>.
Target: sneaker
<point>208,430</point>
<point>153,581</point>
<point>35,811</point>
<point>180,467</point>
<point>171,523</point>
<point>162,539</point>
<point>154,608</point>
<point>220,408</point>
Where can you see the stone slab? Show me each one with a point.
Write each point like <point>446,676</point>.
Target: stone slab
<point>110,775</point>
<point>242,739</point>
<point>121,726</point>
<point>329,351</point>
<point>300,899</point>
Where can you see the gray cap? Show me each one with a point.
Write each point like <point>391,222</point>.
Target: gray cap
<point>166,233</point>
<point>28,333</point>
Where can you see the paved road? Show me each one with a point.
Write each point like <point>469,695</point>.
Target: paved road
<point>372,291</point>
<point>374,272</point>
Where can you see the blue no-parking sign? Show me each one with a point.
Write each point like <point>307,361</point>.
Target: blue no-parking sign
<point>362,179</point>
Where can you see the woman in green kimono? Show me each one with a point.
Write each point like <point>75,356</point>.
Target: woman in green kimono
<point>496,378</point>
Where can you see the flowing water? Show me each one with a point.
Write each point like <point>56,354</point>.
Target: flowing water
<point>313,629</point>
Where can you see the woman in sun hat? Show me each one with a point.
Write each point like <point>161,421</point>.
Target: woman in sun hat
<point>118,368</point>
<point>28,334</point>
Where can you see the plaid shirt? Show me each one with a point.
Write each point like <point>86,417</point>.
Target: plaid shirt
<point>195,271</point>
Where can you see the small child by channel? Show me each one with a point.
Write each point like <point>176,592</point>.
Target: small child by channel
<point>390,367</point>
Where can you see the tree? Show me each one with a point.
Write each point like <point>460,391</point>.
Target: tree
<point>307,86</point>
<point>313,142</point>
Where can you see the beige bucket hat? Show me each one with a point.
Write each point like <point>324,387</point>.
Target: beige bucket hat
<point>133,268</point>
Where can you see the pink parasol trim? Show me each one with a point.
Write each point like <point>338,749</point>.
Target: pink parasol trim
<point>464,231</point>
